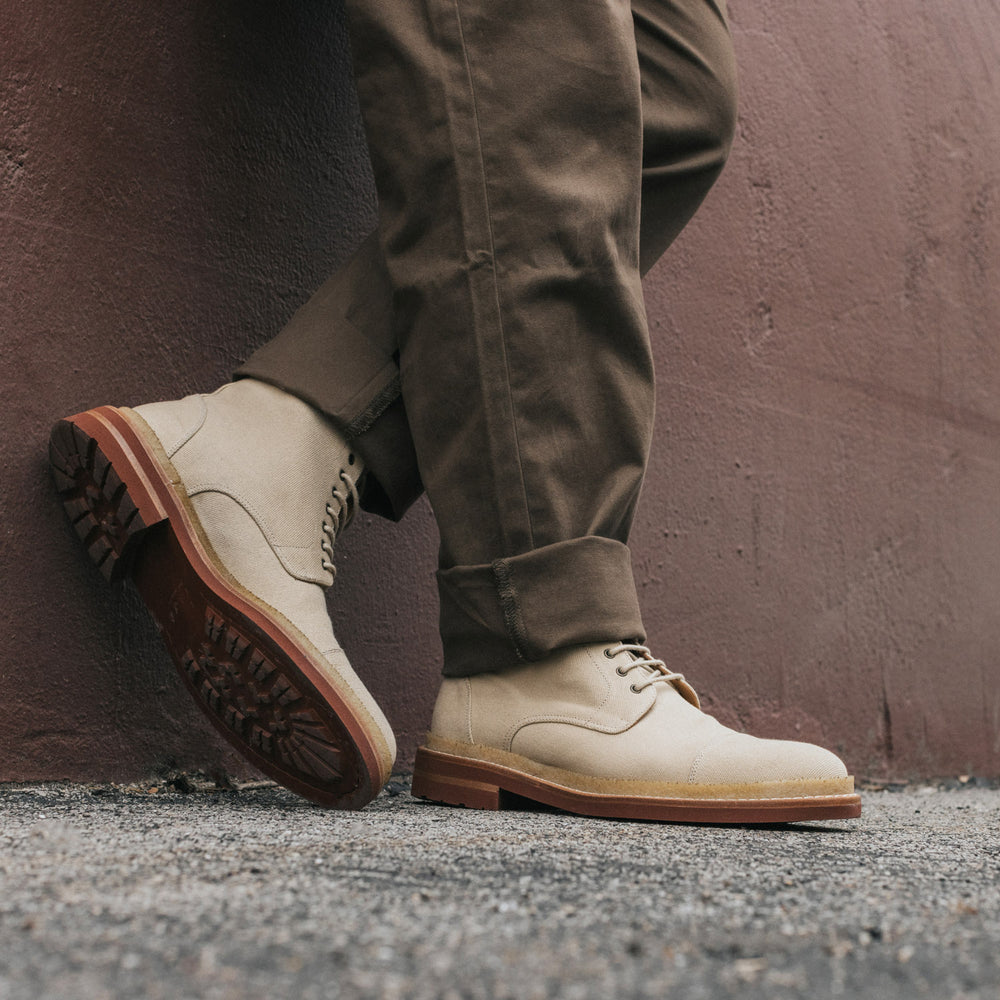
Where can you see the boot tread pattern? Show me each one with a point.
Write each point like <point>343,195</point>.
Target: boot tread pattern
<point>95,499</point>
<point>261,705</point>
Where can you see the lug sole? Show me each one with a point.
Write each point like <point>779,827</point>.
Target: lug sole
<point>253,677</point>
<point>462,781</point>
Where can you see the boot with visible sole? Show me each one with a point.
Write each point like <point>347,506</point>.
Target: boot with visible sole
<point>607,730</point>
<point>223,510</point>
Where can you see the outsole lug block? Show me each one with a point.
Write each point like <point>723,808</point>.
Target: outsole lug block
<point>76,507</point>
<point>63,480</point>
<point>85,526</point>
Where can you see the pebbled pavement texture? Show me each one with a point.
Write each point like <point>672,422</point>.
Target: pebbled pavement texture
<point>155,893</point>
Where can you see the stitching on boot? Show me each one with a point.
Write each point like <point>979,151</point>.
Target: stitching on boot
<point>197,426</point>
<point>366,419</point>
<point>511,608</point>
<point>703,753</point>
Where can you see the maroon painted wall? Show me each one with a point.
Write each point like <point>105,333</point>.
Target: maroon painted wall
<point>818,547</point>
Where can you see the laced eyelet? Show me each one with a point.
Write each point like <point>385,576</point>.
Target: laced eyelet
<point>633,689</point>
<point>345,496</point>
<point>608,653</point>
<point>620,672</point>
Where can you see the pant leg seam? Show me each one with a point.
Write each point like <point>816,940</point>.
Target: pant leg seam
<point>511,608</point>
<point>493,258</point>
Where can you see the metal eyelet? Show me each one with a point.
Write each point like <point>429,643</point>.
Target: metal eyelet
<point>620,672</point>
<point>633,689</point>
<point>609,654</point>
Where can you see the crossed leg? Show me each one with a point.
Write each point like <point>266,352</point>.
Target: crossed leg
<point>487,344</point>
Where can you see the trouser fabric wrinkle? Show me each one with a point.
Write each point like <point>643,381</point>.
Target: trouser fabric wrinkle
<point>489,343</point>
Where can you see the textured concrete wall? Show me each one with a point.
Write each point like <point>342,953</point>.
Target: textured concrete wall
<point>818,546</point>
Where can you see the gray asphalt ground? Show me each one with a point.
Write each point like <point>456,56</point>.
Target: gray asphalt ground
<point>149,893</point>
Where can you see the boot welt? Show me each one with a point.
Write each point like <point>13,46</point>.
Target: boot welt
<point>485,778</point>
<point>254,674</point>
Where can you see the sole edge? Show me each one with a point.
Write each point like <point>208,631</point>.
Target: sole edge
<point>453,780</point>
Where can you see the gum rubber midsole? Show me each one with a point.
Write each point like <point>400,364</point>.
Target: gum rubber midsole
<point>464,780</point>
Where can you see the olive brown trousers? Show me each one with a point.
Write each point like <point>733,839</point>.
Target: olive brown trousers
<point>488,343</point>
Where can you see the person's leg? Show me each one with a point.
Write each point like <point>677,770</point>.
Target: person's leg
<point>339,351</point>
<point>511,244</point>
<point>603,727</point>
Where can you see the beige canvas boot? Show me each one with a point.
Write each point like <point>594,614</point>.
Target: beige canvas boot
<point>607,730</point>
<point>223,509</point>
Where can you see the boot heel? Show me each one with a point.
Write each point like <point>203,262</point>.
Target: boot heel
<point>108,500</point>
<point>445,779</point>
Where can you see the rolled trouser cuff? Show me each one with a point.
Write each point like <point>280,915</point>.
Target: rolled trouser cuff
<point>500,615</point>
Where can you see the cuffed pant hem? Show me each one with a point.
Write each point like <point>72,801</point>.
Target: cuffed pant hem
<point>520,609</point>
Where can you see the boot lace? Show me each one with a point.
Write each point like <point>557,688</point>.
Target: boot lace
<point>653,671</point>
<point>340,511</point>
